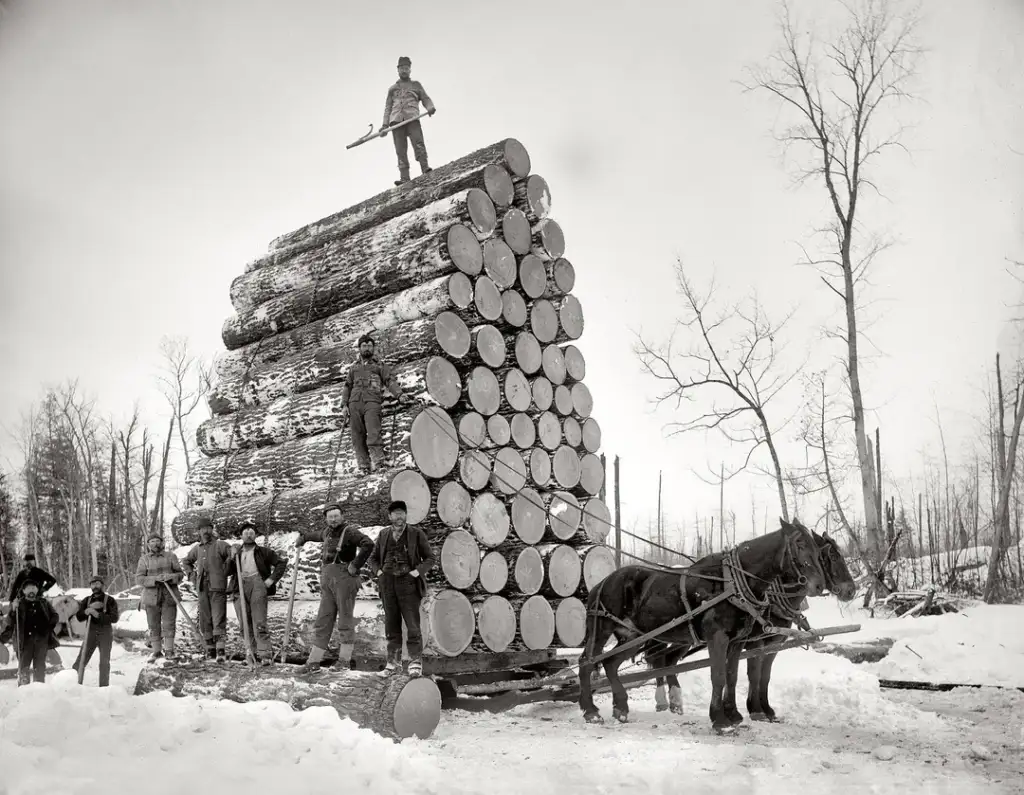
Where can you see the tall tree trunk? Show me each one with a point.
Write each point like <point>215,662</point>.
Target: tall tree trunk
<point>158,503</point>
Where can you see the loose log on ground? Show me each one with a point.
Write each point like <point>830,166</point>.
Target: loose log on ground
<point>570,622</point>
<point>456,249</point>
<point>542,392</point>
<point>598,563</point>
<point>474,469</point>
<point>533,197</point>
<point>572,432</point>
<point>515,230</point>
<point>411,487</point>
<point>471,207</point>
<point>564,514</point>
<point>447,621</point>
<point>591,435</point>
<point>498,430</point>
<point>460,559</point>
<point>523,431</point>
<point>565,467</point>
<point>539,467</point>
<point>488,168</point>
<point>508,471</point>
<point>499,263</point>
<point>575,363</point>
<point>561,278</point>
<point>493,571</point>
<point>528,572</point>
<point>529,356</point>
<point>547,240</point>
<point>496,622</point>
<point>536,623</point>
<point>597,520</point>
<point>319,353</point>
<point>549,431</point>
<point>591,474</point>
<point>513,309</point>
<point>533,276</point>
<point>553,364</point>
<point>562,569</point>
<point>453,504</point>
<point>395,707</point>
<point>489,520</point>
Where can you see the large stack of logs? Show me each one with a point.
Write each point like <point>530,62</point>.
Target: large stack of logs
<point>462,280</point>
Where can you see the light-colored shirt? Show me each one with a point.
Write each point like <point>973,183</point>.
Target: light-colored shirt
<point>248,559</point>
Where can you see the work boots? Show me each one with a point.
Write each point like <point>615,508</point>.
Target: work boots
<point>393,666</point>
<point>403,176</point>
<point>312,664</point>
<point>344,661</point>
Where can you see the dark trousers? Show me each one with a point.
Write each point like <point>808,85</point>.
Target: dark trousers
<point>32,659</point>
<point>400,595</point>
<point>101,638</point>
<point>338,591</point>
<point>413,131</point>
<point>213,616</point>
<point>364,423</point>
<point>256,612</point>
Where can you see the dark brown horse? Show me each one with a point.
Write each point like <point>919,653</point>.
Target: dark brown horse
<point>635,600</point>
<point>838,581</point>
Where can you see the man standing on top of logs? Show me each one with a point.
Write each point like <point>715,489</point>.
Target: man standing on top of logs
<point>99,610</point>
<point>158,574</point>
<point>403,103</point>
<point>208,560</point>
<point>361,398</point>
<point>400,559</point>
<point>261,569</point>
<point>344,551</point>
<point>32,573</point>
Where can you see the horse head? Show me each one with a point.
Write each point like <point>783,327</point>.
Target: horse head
<point>799,556</point>
<point>837,574</point>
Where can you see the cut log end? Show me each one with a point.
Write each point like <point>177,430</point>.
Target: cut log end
<point>443,382</point>
<point>562,569</point>
<point>452,334</point>
<point>528,352</point>
<point>548,240</point>
<point>489,520</point>
<point>563,274</point>
<point>533,276</point>
<point>563,400</point>
<point>582,400</point>
<point>474,469</point>
<point>460,290</point>
<point>528,516</point>
<point>434,442</point>
<point>553,364</point>
<point>575,364</point>
<point>529,571</point>
<point>498,430</point>
<point>544,321</point>
<point>499,263</point>
<point>523,431</point>
<point>591,435</point>
<point>540,467</point>
<point>591,474</point>
<point>472,429</point>
<point>411,487</point>
<point>570,316</point>
<point>598,563</point>
<point>489,345</point>
<point>535,194</point>
<point>481,211</point>
<point>513,309</point>
<point>518,392</point>
<point>493,572</point>
<point>496,623</point>
<point>571,622</point>
<point>572,432</point>
<point>536,623</point>
<point>487,298</point>
<point>597,520</point>
<point>464,249</point>
<point>549,431</point>
<point>542,392</point>
<point>565,466</point>
<point>484,391</point>
<point>564,515</point>
<point>517,158</point>
<point>453,504</point>
<point>515,230</point>
<point>460,559</point>
<point>508,473</point>
<point>448,622</point>
<point>499,186</point>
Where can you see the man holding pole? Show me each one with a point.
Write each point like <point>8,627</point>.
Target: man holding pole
<point>403,105</point>
<point>208,561</point>
<point>99,612</point>
<point>261,568</point>
<point>158,574</point>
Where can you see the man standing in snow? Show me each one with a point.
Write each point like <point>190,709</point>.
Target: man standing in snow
<point>403,103</point>
<point>261,569</point>
<point>99,610</point>
<point>361,398</point>
<point>400,558</point>
<point>158,574</point>
<point>208,561</point>
<point>30,625</point>
<point>32,573</point>
<point>344,551</point>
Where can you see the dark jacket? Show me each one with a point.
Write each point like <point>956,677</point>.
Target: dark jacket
<point>344,544</point>
<point>210,563</point>
<point>105,603</point>
<point>39,576</point>
<point>421,557</point>
<point>365,382</point>
<point>38,616</point>
<point>268,564</point>
<point>403,102</point>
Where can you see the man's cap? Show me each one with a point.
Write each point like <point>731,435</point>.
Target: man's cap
<point>404,61</point>
<point>331,506</point>
<point>247,524</point>
<point>158,536</point>
<point>204,521</point>
<point>397,505</point>
<point>366,338</point>
<point>30,556</point>
<point>96,578</point>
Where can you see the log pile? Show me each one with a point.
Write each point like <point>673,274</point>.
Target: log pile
<point>461,276</point>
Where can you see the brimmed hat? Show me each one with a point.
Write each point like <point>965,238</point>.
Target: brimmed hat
<point>366,338</point>
<point>204,521</point>
<point>405,60</point>
<point>247,524</point>
<point>397,505</point>
<point>96,578</point>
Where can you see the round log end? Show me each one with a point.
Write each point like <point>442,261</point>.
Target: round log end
<point>536,623</point>
<point>565,465</point>
<point>496,623</point>
<point>533,276</point>
<point>591,435</point>
<point>553,364</point>
<point>460,559</point>
<point>572,432</point>
<point>474,469</point>
<point>538,195</point>
<point>417,709</point>
<point>515,230</point>
<point>563,570</point>
<point>493,572</point>
<point>528,516</point>
<point>549,431</point>
<point>460,290</point>
<point>564,515</point>
<point>498,430</point>
<point>434,442</point>
<point>484,390</point>
<point>487,298</point>
<point>571,622</point>
<point>498,185</point>
<point>542,393</point>
<point>443,382</point>
<point>570,316</point>
<point>518,392</point>
<point>529,571</point>
<point>489,520</point>
<point>597,520</point>
<point>464,249</point>
<point>453,504</point>
<point>523,431</point>
<point>528,352</point>
<point>452,334</point>
<point>598,563</point>
<point>450,622</point>
<point>482,214</point>
<point>490,345</point>
<point>540,467</point>
<point>499,263</point>
<point>550,239</point>
<point>591,474</point>
<point>563,400</point>
<point>513,309</point>
<point>411,487</point>
<point>575,364</point>
<point>472,429</point>
<point>517,158</point>
<point>582,400</point>
<point>509,471</point>
<point>544,321</point>
<point>564,275</point>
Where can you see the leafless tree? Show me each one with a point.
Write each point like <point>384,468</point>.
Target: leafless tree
<point>733,359</point>
<point>184,381</point>
<point>837,94</point>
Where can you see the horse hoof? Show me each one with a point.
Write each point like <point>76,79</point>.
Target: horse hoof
<point>620,716</point>
<point>773,719</point>
<point>759,716</point>
<point>724,731</point>
<point>736,719</point>
<point>593,717</point>
<point>661,707</point>
<point>676,709</point>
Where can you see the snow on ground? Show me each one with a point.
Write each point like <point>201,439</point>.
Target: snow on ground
<point>840,733</point>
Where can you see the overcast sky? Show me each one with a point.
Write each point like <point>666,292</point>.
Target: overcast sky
<point>149,149</point>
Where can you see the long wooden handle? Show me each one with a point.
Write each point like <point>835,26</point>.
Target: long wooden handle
<point>81,650</point>
<point>184,612</point>
<point>376,134</point>
<point>291,604</point>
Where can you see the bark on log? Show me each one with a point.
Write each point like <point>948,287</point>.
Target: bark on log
<point>483,390</point>
<point>493,572</point>
<point>533,276</point>
<point>542,392</point>
<point>536,623</point>
<point>455,249</point>
<point>553,364</point>
<point>570,317</point>
<point>528,352</point>
<point>572,432</point>
<point>561,278</point>
<point>591,435</point>
<point>395,707</point>
<point>460,559</point>
<point>575,363</point>
<point>523,431</point>
<point>529,516</point>
<point>454,504</point>
<point>591,474</point>
<point>508,471</point>
<point>471,207</point>
<point>564,514</point>
<point>547,241</point>
<point>489,520</point>
<point>582,400</point>
<point>570,622</point>
<point>549,431</point>
<point>563,400</point>
<point>598,563</point>
<point>539,467</point>
<point>516,390</point>
<point>484,168</point>
<point>513,309</point>
<point>529,571</point>
<point>447,621</point>
<point>498,430</point>
<point>474,469</point>
<point>343,330</point>
<point>565,466</point>
<point>597,520</point>
<point>515,230</point>
<point>496,622</point>
<point>533,197</point>
<point>487,298</point>
<point>562,569</point>
<point>412,488</point>
<point>499,263</point>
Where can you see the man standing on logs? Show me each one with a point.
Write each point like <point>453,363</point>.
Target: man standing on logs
<point>158,574</point>
<point>99,611</point>
<point>261,569</point>
<point>361,398</point>
<point>208,560</point>
<point>32,573</point>
<point>401,557</point>
<point>402,104</point>
<point>344,551</point>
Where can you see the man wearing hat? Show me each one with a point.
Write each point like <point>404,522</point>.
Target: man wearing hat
<point>99,609</point>
<point>261,569</point>
<point>361,397</point>
<point>158,574</point>
<point>344,551</point>
<point>30,626</point>
<point>208,561</point>
<point>403,103</point>
<point>401,557</point>
<point>32,573</point>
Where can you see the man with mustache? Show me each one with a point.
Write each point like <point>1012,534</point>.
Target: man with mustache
<point>261,568</point>
<point>100,610</point>
<point>208,562</point>
<point>403,103</point>
<point>32,573</point>
<point>158,574</point>
<point>30,625</point>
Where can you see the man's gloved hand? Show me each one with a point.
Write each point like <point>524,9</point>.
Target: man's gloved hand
<point>92,611</point>
<point>414,573</point>
<point>432,111</point>
<point>383,132</point>
<point>344,413</point>
<point>353,570</point>
<point>405,400</point>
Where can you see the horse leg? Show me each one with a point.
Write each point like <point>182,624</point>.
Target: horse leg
<point>754,674</point>
<point>620,701</point>
<point>734,716</point>
<point>718,654</point>
<point>602,632</point>
<point>660,702</point>
<point>766,677</point>
<point>675,693</point>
